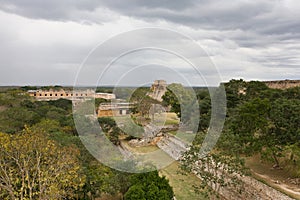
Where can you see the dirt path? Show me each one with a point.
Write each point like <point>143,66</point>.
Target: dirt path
<point>289,189</point>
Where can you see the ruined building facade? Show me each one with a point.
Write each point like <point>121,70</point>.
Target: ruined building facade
<point>158,89</point>
<point>114,109</point>
<point>47,95</point>
<point>282,84</point>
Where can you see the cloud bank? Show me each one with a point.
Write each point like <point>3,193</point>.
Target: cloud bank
<point>45,42</point>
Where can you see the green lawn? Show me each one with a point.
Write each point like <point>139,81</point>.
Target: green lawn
<point>182,184</point>
<point>165,119</point>
<point>142,149</point>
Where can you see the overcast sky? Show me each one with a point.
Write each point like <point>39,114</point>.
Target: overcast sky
<point>45,42</point>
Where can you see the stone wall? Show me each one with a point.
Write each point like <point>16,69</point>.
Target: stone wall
<point>282,84</point>
<point>113,109</point>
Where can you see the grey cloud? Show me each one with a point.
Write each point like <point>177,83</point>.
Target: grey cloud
<point>79,10</point>
<point>236,29</point>
<point>207,13</point>
<point>260,16</point>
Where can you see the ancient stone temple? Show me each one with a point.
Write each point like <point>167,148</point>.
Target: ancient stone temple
<point>158,89</point>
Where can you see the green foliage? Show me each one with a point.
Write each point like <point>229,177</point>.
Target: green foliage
<point>255,89</point>
<point>105,89</point>
<point>293,153</point>
<point>262,120</point>
<point>143,106</point>
<point>149,186</point>
<point>286,120</point>
<point>98,101</point>
<point>205,109</point>
<point>262,126</point>
<point>292,93</point>
<point>12,97</point>
<point>130,93</point>
<point>63,104</point>
<point>110,128</point>
<point>55,88</point>
<point>138,94</point>
<point>259,120</point>
<point>21,109</point>
<point>251,123</point>
<point>233,92</point>
<point>170,98</point>
<point>135,192</point>
<point>182,101</point>
<point>68,170</point>
<point>26,88</point>
<point>214,170</point>
<point>13,119</point>
<point>141,101</point>
<point>34,167</point>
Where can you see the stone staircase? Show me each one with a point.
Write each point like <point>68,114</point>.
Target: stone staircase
<point>173,146</point>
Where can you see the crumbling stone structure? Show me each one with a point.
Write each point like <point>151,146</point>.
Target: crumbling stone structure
<point>47,95</point>
<point>282,84</point>
<point>158,89</point>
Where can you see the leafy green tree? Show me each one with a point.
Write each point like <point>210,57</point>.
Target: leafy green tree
<point>170,98</point>
<point>286,121</point>
<point>98,101</point>
<point>135,192</point>
<point>29,88</point>
<point>13,119</point>
<point>104,89</point>
<point>183,102</point>
<point>292,93</point>
<point>205,109</point>
<point>34,167</point>
<point>254,89</point>
<point>138,94</point>
<point>110,128</point>
<point>265,127</point>
<point>250,124</point>
<point>235,92</point>
<point>12,97</point>
<point>149,186</point>
<point>64,104</point>
<point>142,104</point>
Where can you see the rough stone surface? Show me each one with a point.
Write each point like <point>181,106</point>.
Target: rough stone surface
<point>158,89</point>
<point>282,84</point>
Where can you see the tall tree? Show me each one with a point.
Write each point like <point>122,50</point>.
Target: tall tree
<point>149,186</point>
<point>34,167</point>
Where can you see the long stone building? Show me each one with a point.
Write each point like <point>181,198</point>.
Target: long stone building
<point>47,95</point>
